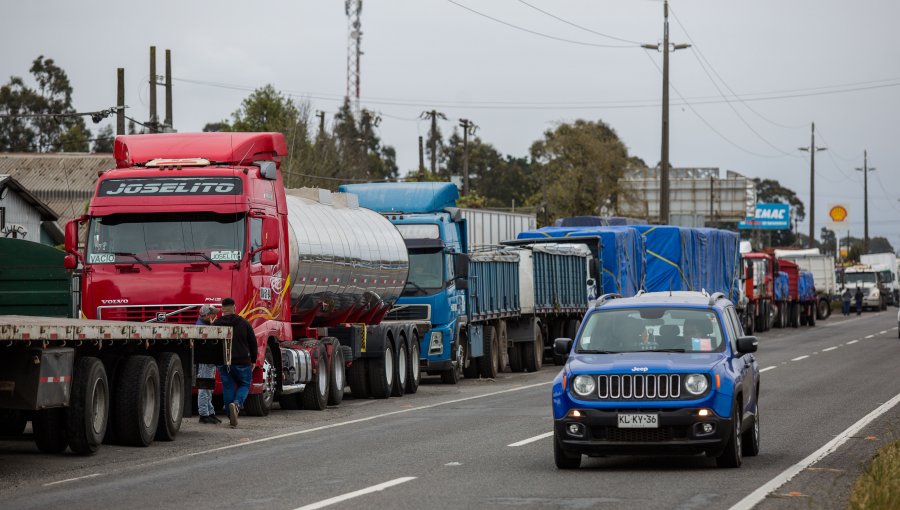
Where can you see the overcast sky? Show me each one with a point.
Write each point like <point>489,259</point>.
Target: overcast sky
<point>783,59</point>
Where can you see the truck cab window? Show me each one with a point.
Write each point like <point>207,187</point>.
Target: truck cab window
<point>255,237</point>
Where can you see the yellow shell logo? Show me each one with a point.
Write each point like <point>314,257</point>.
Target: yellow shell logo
<point>838,213</point>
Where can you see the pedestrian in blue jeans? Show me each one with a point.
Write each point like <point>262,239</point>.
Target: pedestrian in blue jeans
<point>206,373</point>
<point>845,301</point>
<point>237,376</point>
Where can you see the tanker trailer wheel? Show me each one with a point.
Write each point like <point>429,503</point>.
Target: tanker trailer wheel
<point>49,427</point>
<point>401,369</point>
<point>381,373</point>
<point>413,375</point>
<point>315,394</point>
<point>487,364</point>
<point>516,363</point>
<point>358,378</point>
<point>336,377</point>
<point>137,401</point>
<point>260,404</point>
<point>87,416</point>
<point>171,390</point>
<point>12,422</point>
<point>534,352</point>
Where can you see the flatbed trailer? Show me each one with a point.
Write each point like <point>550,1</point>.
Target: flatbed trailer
<point>85,382</point>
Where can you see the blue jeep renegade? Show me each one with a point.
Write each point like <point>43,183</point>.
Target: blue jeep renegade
<point>659,373</point>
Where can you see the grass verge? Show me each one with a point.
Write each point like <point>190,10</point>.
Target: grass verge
<point>879,486</point>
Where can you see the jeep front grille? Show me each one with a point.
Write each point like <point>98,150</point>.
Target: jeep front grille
<point>639,387</point>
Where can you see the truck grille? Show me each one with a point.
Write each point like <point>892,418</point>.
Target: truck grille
<point>639,387</point>
<point>409,313</point>
<point>639,435</point>
<point>144,313</point>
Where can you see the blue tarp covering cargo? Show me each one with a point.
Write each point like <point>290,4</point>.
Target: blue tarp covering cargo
<point>806,286</point>
<point>621,254</point>
<point>493,285</point>
<point>718,261</point>
<point>782,287</point>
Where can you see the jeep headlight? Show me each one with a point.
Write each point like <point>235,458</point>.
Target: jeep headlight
<point>436,344</point>
<point>584,385</point>
<point>696,384</point>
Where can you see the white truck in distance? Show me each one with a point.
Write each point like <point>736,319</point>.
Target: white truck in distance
<point>871,283</point>
<point>886,264</point>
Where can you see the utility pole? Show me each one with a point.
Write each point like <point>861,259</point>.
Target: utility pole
<point>812,150</point>
<point>865,170</point>
<point>434,115</point>
<point>421,161</point>
<point>666,48</point>
<point>120,101</point>
<point>469,128</point>
<point>321,115</point>
<point>712,199</point>
<point>154,122</point>
<point>168,121</point>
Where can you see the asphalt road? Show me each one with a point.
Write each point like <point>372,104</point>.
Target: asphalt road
<point>452,446</point>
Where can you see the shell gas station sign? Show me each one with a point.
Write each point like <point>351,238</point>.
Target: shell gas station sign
<point>837,217</point>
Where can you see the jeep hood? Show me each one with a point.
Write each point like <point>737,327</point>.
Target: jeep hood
<point>654,362</point>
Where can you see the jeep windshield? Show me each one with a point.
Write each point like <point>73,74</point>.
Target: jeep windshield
<point>651,329</point>
<point>165,238</point>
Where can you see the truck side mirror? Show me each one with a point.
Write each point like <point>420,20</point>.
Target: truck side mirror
<point>461,283</point>
<point>70,262</point>
<point>268,258</point>
<point>270,233</point>
<point>461,265</point>
<point>72,237</point>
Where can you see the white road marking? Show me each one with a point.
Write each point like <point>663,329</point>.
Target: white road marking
<point>870,336</point>
<point>356,494</point>
<point>531,439</point>
<point>830,348</point>
<point>798,358</point>
<point>882,332</point>
<point>852,342</point>
<point>841,323</point>
<point>759,494</point>
<point>767,368</point>
<point>71,479</point>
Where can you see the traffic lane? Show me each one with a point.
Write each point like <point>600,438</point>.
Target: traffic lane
<point>302,468</point>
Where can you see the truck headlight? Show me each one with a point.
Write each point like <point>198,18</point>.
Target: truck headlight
<point>436,344</point>
<point>696,384</point>
<point>874,293</point>
<point>584,385</point>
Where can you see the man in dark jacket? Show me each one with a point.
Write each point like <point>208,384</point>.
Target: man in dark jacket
<point>859,299</point>
<point>236,378</point>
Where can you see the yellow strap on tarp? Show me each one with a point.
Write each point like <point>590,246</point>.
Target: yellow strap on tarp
<point>667,261</point>
<point>618,287</point>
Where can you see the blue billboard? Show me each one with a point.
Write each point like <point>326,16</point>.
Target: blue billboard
<point>768,217</point>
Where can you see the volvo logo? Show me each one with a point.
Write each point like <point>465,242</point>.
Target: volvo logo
<point>114,301</point>
<point>161,317</point>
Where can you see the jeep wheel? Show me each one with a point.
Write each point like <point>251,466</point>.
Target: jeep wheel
<point>564,460</point>
<point>731,457</point>
<point>751,437</point>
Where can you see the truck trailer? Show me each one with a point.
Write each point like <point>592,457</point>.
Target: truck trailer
<point>822,269</point>
<point>185,220</point>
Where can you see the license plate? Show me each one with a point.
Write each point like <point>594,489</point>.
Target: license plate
<point>638,421</point>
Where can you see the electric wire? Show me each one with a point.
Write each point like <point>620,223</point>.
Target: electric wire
<point>601,34</point>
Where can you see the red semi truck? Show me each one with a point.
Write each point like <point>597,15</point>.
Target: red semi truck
<point>188,219</point>
<point>801,308</point>
<point>762,308</point>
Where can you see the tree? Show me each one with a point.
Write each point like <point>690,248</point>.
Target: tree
<point>579,167</point>
<point>880,245</point>
<point>771,191</point>
<point>829,238</point>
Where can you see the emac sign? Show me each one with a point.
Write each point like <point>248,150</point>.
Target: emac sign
<point>769,217</point>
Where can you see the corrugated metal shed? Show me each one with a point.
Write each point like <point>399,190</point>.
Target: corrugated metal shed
<point>63,181</point>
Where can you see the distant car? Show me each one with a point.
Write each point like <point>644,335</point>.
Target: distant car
<point>659,373</point>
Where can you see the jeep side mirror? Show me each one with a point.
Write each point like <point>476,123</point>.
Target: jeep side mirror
<point>747,344</point>
<point>461,265</point>
<point>562,346</point>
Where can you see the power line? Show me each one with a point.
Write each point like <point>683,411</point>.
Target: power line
<point>96,116</point>
<point>577,25</point>
<point>534,32</point>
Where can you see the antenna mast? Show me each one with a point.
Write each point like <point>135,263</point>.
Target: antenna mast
<point>353,8</point>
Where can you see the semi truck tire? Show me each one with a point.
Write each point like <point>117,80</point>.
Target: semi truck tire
<point>823,310</point>
<point>488,363</point>
<point>291,401</point>
<point>113,366</point>
<point>49,427</point>
<point>515,358</point>
<point>87,416</point>
<point>400,369</point>
<point>315,394</point>
<point>12,422</point>
<point>454,374</point>
<point>137,401</point>
<point>749,322</point>
<point>358,378</point>
<point>381,373</point>
<point>811,314</point>
<point>259,404</point>
<point>336,377</point>
<point>795,315</point>
<point>534,352</point>
<point>414,375</point>
<point>171,391</point>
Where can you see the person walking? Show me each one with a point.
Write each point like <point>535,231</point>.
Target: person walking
<point>859,299</point>
<point>845,302</point>
<point>237,376</point>
<point>207,373</point>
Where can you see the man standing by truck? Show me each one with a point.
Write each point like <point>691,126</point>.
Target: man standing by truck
<point>207,372</point>
<point>237,376</point>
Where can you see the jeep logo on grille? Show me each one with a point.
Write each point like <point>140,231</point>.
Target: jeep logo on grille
<point>639,369</point>
<point>161,317</point>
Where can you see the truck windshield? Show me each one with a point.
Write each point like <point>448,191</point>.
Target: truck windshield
<point>165,238</point>
<point>426,273</point>
<point>651,329</point>
<point>853,279</point>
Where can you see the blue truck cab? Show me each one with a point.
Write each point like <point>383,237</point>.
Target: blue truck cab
<point>425,213</point>
<point>658,373</point>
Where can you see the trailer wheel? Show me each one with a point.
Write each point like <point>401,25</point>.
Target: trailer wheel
<point>515,357</point>
<point>336,379</point>
<point>749,315</point>
<point>137,401</point>
<point>171,390</point>
<point>315,394</point>
<point>358,377</point>
<point>290,401</point>
<point>487,364</point>
<point>113,366</point>
<point>87,416</point>
<point>413,375</point>
<point>49,427</point>
<point>381,373</point>
<point>454,373</point>
<point>260,404</point>
<point>534,352</point>
<point>12,422</point>
<point>811,316</point>
<point>795,315</point>
<point>823,309</point>
<point>401,369</point>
